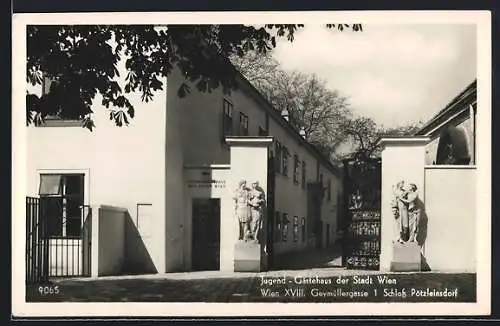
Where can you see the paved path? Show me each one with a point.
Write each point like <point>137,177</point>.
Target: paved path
<point>311,259</point>
<point>216,286</point>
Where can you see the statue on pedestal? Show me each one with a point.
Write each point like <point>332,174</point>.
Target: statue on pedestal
<point>406,211</point>
<point>355,201</point>
<point>257,203</point>
<point>242,210</point>
<point>249,210</point>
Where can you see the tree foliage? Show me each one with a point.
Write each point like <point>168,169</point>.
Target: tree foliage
<point>260,69</point>
<point>365,134</point>
<point>314,109</point>
<point>82,61</point>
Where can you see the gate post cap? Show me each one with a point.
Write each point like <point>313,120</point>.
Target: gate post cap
<point>404,140</point>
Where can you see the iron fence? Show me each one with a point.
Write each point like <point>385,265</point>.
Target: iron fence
<point>48,256</point>
<point>37,243</point>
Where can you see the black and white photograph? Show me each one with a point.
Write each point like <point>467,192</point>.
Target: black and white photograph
<point>250,164</point>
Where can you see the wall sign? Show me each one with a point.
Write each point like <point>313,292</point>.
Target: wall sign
<point>207,184</point>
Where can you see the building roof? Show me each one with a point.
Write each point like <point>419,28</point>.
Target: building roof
<point>460,103</point>
<point>269,108</point>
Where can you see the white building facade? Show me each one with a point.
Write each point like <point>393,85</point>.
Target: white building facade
<point>160,189</point>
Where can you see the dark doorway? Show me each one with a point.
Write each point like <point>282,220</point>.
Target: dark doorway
<point>328,235</point>
<point>314,227</point>
<point>206,234</point>
<point>271,222</point>
<point>319,234</point>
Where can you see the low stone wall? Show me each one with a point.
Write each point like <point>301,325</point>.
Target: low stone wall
<point>450,218</point>
<point>111,237</point>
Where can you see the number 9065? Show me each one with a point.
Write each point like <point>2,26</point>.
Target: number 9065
<point>48,290</point>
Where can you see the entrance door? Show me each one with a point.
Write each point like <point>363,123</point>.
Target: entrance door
<point>206,234</point>
<point>314,227</point>
<point>319,234</point>
<point>328,235</point>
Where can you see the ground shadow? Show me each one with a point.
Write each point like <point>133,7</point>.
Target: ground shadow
<point>422,233</point>
<point>138,260</point>
<point>310,258</point>
<point>424,266</point>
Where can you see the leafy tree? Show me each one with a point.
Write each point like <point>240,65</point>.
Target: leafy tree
<point>82,62</point>
<point>314,110</point>
<point>364,135</point>
<point>260,69</point>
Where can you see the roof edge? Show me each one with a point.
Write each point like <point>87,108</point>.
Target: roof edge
<point>450,108</point>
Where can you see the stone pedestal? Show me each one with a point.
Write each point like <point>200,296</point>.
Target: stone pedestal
<point>249,158</point>
<point>406,257</point>
<point>249,257</point>
<point>403,158</point>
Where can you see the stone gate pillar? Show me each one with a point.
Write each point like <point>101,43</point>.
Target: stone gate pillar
<point>403,158</point>
<point>249,162</point>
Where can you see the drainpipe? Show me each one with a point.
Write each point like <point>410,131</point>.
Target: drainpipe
<point>472,136</point>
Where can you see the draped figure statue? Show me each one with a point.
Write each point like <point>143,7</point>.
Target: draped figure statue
<point>249,210</point>
<point>406,211</point>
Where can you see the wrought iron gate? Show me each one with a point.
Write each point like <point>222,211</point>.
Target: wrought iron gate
<point>362,184</point>
<point>271,177</point>
<point>37,244</point>
<point>47,256</point>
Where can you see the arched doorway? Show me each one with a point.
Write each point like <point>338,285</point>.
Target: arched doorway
<point>453,147</point>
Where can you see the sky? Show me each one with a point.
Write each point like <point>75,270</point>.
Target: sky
<point>394,74</point>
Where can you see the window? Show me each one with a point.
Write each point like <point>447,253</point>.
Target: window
<point>277,233</point>
<point>65,118</point>
<point>303,227</point>
<point>279,157</point>
<point>303,175</point>
<point>61,200</point>
<point>227,119</point>
<point>243,124</point>
<point>285,227</point>
<point>329,190</point>
<point>263,132</point>
<point>295,228</point>
<point>285,155</point>
<point>296,164</point>
<point>454,147</point>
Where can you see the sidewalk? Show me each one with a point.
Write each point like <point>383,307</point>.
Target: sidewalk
<point>217,286</point>
<point>310,258</point>
<point>310,263</point>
